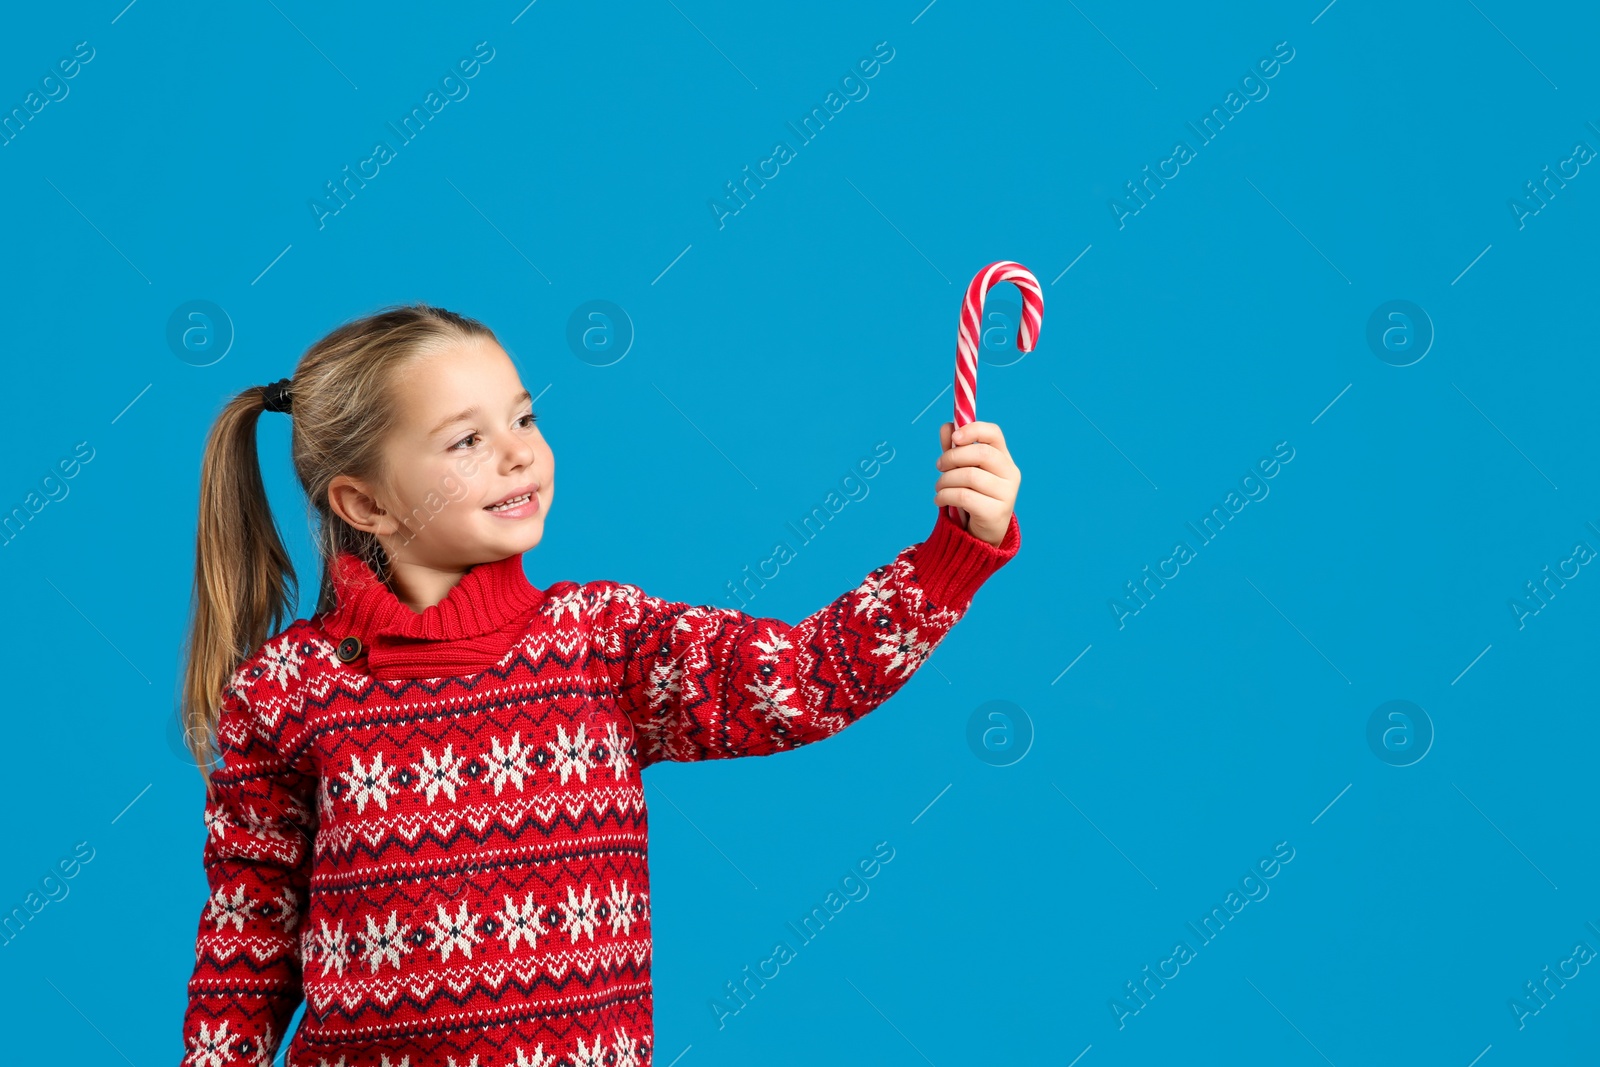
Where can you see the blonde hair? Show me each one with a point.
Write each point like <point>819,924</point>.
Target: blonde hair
<point>245,589</point>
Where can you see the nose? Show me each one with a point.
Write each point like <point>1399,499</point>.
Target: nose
<point>516,450</point>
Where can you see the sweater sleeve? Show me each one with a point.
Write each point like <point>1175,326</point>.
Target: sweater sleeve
<point>706,682</point>
<point>260,824</point>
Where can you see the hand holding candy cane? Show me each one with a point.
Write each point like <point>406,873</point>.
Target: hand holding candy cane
<point>979,477</point>
<point>985,483</point>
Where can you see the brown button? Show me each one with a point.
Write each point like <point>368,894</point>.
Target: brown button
<point>349,649</point>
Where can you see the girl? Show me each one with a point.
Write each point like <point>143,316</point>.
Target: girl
<point>427,819</point>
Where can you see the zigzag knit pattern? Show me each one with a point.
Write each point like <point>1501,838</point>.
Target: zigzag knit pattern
<point>440,845</point>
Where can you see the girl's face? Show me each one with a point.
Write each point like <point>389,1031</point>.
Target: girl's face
<point>465,440</point>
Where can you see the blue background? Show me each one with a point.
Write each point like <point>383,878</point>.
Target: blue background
<point>769,356</point>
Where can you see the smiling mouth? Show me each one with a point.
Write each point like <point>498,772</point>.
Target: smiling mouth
<point>510,502</point>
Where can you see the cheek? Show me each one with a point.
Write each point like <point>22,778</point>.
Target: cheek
<point>481,466</point>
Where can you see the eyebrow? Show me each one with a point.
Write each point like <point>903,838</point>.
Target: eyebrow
<point>462,416</point>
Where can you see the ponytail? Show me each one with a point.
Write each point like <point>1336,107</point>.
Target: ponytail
<point>245,588</point>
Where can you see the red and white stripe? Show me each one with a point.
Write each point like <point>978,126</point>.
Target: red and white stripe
<point>970,336</point>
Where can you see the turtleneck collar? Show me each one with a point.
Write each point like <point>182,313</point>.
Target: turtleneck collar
<point>469,630</point>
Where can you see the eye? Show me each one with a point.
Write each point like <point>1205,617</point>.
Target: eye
<point>532,417</point>
<point>463,441</point>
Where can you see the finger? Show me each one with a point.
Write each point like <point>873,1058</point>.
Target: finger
<point>990,485</point>
<point>974,431</point>
<point>978,455</point>
<point>986,432</point>
<point>945,430</point>
<point>966,498</point>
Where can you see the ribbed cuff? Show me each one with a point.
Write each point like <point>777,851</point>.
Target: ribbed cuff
<point>951,563</point>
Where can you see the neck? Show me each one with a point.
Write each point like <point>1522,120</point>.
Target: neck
<point>466,620</point>
<point>419,586</point>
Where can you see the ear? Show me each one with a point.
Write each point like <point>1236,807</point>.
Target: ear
<point>352,501</point>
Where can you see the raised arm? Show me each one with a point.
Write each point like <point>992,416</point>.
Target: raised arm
<point>715,683</point>
<point>260,823</point>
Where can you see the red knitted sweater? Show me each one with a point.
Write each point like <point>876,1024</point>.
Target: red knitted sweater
<point>435,834</point>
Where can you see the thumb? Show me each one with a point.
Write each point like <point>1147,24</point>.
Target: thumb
<point>945,430</point>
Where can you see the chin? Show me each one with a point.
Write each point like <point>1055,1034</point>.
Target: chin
<point>527,539</point>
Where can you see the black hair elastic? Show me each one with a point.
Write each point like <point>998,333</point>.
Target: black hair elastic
<point>277,395</point>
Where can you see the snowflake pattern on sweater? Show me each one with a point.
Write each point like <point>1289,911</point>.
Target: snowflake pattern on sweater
<point>449,867</point>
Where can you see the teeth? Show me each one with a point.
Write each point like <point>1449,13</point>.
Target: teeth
<point>513,502</point>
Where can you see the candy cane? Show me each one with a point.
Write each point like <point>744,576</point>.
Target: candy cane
<point>970,336</point>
